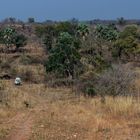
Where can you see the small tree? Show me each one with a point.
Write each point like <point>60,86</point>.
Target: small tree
<point>121,21</point>
<point>83,30</point>
<point>10,37</point>
<point>31,20</point>
<point>127,42</point>
<point>47,35</point>
<point>69,27</point>
<point>19,41</point>
<point>7,35</point>
<point>64,57</point>
<point>108,33</point>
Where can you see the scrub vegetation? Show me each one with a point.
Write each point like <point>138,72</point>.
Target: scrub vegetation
<point>80,80</point>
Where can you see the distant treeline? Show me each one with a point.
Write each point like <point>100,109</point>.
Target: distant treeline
<point>120,21</point>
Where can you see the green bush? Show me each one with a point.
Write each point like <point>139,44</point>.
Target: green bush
<point>19,41</point>
<point>127,43</point>
<point>85,85</point>
<point>9,36</point>
<point>64,57</point>
<point>108,33</point>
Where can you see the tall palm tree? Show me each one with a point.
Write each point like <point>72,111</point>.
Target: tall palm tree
<point>83,31</point>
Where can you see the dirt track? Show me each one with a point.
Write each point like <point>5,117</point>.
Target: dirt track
<point>23,123</point>
<point>22,130</point>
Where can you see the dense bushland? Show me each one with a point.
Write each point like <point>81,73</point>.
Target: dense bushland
<point>76,54</point>
<point>97,50</point>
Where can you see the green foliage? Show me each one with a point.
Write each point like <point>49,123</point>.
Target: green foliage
<point>49,37</point>
<point>47,34</point>
<point>93,51</point>
<point>121,21</point>
<point>64,57</point>
<point>40,31</point>
<point>19,40</point>
<point>69,27</point>
<point>108,33</point>
<point>90,91</point>
<point>85,84</point>
<point>31,20</point>
<point>83,30</point>
<point>50,33</point>
<point>48,41</point>
<point>9,37</point>
<point>127,42</point>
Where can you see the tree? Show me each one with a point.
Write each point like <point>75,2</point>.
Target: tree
<point>108,33</point>
<point>69,27</point>
<point>40,31</point>
<point>31,20</point>
<point>47,35</point>
<point>74,21</point>
<point>83,31</point>
<point>50,33</point>
<point>12,20</point>
<point>127,42</point>
<point>19,41</point>
<point>10,37</point>
<point>64,57</point>
<point>7,35</point>
<point>121,21</point>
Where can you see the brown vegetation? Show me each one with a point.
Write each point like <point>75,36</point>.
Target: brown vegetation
<point>101,103</point>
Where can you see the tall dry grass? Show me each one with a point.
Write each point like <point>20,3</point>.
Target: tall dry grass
<point>65,116</point>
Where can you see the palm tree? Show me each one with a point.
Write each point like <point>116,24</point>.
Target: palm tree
<point>83,31</point>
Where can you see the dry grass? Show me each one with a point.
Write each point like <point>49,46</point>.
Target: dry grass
<point>60,115</point>
<point>34,48</point>
<point>33,73</point>
<point>89,119</point>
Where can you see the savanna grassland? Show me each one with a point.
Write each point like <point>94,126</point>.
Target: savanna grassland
<point>79,81</point>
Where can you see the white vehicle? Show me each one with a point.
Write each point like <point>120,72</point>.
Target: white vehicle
<point>18,81</point>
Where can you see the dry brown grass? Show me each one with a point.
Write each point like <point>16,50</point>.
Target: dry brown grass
<point>33,73</point>
<point>34,48</point>
<point>60,115</point>
<point>89,119</point>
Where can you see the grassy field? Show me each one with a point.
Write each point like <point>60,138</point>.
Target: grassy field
<point>36,112</point>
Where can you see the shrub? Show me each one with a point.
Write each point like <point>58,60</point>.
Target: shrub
<point>116,81</point>
<point>108,33</point>
<point>61,82</point>
<point>9,37</point>
<point>127,43</point>
<point>1,85</point>
<point>34,74</point>
<point>3,96</point>
<point>5,65</point>
<point>25,60</point>
<point>32,59</point>
<point>19,40</point>
<point>64,57</point>
<point>27,75</point>
<point>85,85</point>
<point>31,20</point>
